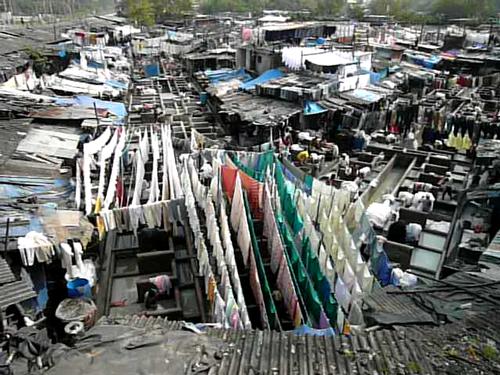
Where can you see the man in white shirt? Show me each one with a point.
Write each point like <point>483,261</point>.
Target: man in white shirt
<point>206,173</point>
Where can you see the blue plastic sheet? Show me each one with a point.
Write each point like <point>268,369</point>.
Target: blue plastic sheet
<point>308,331</point>
<point>118,109</point>
<point>313,108</point>
<point>90,64</point>
<point>37,275</point>
<point>152,70</point>
<point>115,107</point>
<point>263,78</point>
<point>376,77</point>
<point>366,95</point>
<point>21,187</point>
<point>117,84</point>
<point>222,75</point>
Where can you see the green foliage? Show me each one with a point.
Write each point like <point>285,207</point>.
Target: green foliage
<point>35,54</point>
<point>414,368</point>
<point>380,6</point>
<point>141,11</point>
<point>61,7</point>
<point>317,7</point>
<point>330,7</point>
<point>465,8</point>
<point>171,7</point>
<point>490,352</point>
<point>356,12</point>
<point>41,64</point>
<point>435,10</point>
<point>399,9</point>
<point>147,12</point>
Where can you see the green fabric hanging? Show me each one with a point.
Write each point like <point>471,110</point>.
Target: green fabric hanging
<point>265,161</point>
<point>308,182</point>
<point>319,280</point>
<point>311,298</point>
<point>272,312</point>
<point>286,194</point>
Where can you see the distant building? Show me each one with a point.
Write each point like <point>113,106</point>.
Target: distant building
<point>257,59</point>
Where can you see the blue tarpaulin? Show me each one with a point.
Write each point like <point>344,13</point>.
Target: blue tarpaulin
<point>374,77</point>
<point>152,70</point>
<point>90,64</point>
<point>15,187</point>
<point>118,109</point>
<point>313,108</point>
<point>263,78</point>
<point>222,75</point>
<point>426,62</point>
<point>308,331</point>
<point>320,41</point>
<point>377,77</point>
<point>117,84</point>
<point>365,95</point>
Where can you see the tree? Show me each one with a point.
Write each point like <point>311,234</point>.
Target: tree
<point>403,10</point>
<point>327,7</point>
<point>59,7</point>
<point>141,11</point>
<point>356,12</point>
<point>172,7</point>
<point>316,7</point>
<point>465,8</point>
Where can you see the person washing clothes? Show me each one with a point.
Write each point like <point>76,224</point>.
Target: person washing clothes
<point>335,152</point>
<point>343,163</point>
<point>206,173</point>
<point>485,176</point>
<point>287,137</point>
<point>410,142</point>
<point>378,159</point>
<point>446,185</point>
<point>302,157</point>
<point>427,203</point>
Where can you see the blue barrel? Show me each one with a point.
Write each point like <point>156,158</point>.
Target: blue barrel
<point>79,288</point>
<point>203,98</point>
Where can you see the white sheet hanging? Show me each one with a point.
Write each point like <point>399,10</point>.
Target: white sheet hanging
<point>78,188</point>
<point>104,155</point>
<point>154,192</point>
<point>90,149</point>
<point>115,170</point>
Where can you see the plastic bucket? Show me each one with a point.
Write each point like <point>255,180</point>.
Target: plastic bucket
<point>79,288</point>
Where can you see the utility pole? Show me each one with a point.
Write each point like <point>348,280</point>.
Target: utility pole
<point>439,30</point>
<point>490,38</point>
<point>353,40</point>
<point>421,33</point>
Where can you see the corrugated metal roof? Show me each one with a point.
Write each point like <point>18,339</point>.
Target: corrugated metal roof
<point>50,143</point>
<point>15,292</point>
<point>270,352</point>
<point>6,275</point>
<point>464,347</point>
<point>68,113</point>
<point>11,133</point>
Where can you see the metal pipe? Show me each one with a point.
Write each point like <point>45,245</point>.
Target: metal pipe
<point>7,235</point>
